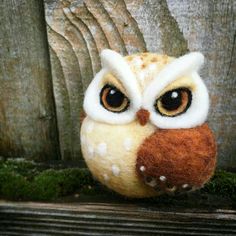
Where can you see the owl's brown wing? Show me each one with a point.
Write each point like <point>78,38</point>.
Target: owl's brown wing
<point>179,160</point>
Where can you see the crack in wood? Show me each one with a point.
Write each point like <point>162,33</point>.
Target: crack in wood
<point>81,51</point>
<point>107,24</point>
<point>71,115</point>
<point>89,40</point>
<point>62,105</point>
<point>126,26</point>
<point>232,57</point>
<point>99,34</point>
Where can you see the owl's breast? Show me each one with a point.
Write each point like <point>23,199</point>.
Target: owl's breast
<point>177,160</point>
<point>110,151</point>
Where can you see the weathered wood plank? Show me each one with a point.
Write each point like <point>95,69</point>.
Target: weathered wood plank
<point>27,116</point>
<point>210,27</point>
<point>112,219</point>
<point>77,32</point>
<point>79,29</point>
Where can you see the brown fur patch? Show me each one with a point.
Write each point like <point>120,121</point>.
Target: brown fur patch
<point>183,156</point>
<point>143,116</point>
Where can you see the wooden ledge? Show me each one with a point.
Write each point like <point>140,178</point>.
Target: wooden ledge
<point>111,219</point>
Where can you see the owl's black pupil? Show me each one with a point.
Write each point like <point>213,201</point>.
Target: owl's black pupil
<point>172,100</point>
<point>114,98</point>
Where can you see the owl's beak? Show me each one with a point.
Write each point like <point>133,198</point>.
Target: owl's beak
<point>143,116</point>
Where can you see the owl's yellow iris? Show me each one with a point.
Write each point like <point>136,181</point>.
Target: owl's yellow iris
<point>174,102</point>
<point>113,99</point>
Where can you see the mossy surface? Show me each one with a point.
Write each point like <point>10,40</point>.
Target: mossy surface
<point>223,183</point>
<point>31,181</point>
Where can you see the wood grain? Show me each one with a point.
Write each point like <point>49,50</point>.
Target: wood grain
<point>79,29</point>
<point>112,219</point>
<point>77,32</point>
<point>27,113</point>
<point>210,27</point>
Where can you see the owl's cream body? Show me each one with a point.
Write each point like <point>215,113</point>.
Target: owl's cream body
<point>128,147</point>
<point>110,153</point>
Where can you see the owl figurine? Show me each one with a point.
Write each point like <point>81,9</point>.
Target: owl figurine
<point>144,133</point>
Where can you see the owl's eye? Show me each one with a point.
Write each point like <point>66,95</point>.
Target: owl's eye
<point>113,99</point>
<point>174,102</point>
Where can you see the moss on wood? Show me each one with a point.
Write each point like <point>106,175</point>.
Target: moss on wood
<point>223,183</point>
<point>24,180</point>
<point>29,181</point>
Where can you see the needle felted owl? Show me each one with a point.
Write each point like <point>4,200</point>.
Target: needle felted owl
<point>144,133</point>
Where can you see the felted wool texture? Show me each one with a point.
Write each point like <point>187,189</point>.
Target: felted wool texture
<point>182,66</point>
<point>112,142</point>
<point>144,77</point>
<point>143,116</point>
<point>115,63</point>
<point>186,65</point>
<point>96,111</point>
<point>133,72</point>
<point>183,156</point>
<point>146,66</point>
<point>110,152</point>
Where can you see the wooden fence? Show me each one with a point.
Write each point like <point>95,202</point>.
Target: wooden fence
<point>49,52</point>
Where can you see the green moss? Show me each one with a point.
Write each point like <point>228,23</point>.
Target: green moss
<point>51,184</point>
<point>27,169</point>
<point>30,181</point>
<point>223,183</point>
<point>12,185</point>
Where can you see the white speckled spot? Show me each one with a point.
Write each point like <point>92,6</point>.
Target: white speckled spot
<point>89,127</point>
<point>102,149</point>
<point>137,62</point>
<point>127,144</point>
<point>152,67</point>
<point>115,170</point>
<point>106,177</point>
<point>142,168</point>
<point>91,152</point>
<point>184,185</point>
<point>162,178</point>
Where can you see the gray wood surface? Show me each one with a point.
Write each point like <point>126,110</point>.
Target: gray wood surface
<point>79,29</point>
<point>27,117</point>
<point>112,219</point>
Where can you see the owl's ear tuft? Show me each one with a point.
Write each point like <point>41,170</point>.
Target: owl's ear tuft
<point>107,56</point>
<point>115,63</point>
<point>194,59</point>
<point>196,114</point>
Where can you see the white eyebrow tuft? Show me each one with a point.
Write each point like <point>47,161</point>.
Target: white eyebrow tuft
<point>187,65</point>
<point>114,62</point>
<point>181,66</point>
